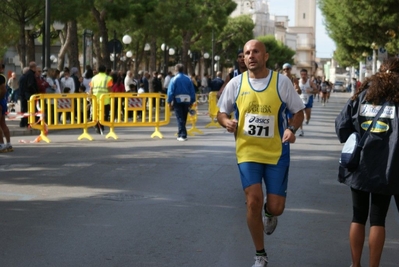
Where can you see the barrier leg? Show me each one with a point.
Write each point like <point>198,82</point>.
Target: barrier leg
<point>157,133</point>
<point>111,133</point>
<point>85,134</point>
<point>194,130</point>
<point>42,136</point>
<point>213,123</point>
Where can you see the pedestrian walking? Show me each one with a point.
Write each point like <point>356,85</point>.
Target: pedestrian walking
<point>377,177</point>
<point>181,95</point>
<point>260,97</point>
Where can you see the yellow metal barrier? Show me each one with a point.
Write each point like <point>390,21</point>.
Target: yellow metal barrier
<point>62,111</point>
<point>145,109</point>
<point>192,118</point>
<point>202,98</point>
<point>213,110</point>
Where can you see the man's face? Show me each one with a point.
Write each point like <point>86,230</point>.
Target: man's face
<point>287,71</point>
<point>255,55</point>
<point>304,75</point>
<point>38,71</point>
<point>66,75</point>
<point>241,61</point>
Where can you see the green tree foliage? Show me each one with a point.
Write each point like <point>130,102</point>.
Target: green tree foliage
<point>355,25</point>
<point>278,52</point>
<point>235,34</point>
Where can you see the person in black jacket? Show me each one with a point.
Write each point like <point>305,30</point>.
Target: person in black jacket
<point>28,87</point>
<point>377,177</point>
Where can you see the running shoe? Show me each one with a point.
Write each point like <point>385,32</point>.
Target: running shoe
<point>269,221</point>
<point>269,224</point>
<point>181,139</point>
<point>260,261</point>
<point>9,148</point>
<point>301,133</point>
<point>3,148</point>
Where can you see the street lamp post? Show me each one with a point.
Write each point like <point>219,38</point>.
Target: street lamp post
<point>126,39</point>
<point>374,46</point>
<point>165,49</point>
<point>147,48</point>
<point>216,67</point>
<point>206,56</point>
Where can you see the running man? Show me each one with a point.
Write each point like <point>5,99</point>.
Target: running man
<point>259,98</point>
<point>308,88</point>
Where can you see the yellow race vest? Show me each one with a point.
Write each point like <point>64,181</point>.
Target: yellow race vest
<point>260,122</point>
<point>100,83</point>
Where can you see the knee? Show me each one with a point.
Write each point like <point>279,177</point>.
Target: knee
<point>275,209</point>
<point>254,204</point>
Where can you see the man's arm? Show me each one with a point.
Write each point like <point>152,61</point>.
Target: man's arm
<point>314,87</point>
<point>226,122</point>
<point>296,122</point>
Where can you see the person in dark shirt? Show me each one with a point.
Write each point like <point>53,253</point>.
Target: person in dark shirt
<point>28,87</point>
<point>217,83</point>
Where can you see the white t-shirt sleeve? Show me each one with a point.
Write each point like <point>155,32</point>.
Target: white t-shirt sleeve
<point>289,95</point>
<point>227,99</point>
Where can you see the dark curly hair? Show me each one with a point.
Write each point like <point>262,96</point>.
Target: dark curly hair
<point>384,85</point>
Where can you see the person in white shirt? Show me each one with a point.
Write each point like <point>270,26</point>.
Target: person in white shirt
<point>167,81</point>
<point>67,81</point>
<point>129,80</point>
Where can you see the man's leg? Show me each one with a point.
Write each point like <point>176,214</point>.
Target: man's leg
<point>254,198</point>
<point>307,114</point>
<point>179,114</point>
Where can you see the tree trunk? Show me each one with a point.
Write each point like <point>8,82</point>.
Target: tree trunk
<point>73,47</point>
<point>153,55</point>
<point>102,54</point>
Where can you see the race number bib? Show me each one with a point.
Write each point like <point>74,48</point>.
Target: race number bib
<point>305,98</point>
<point>259,126</point>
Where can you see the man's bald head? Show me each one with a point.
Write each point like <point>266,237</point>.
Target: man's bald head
<point>261,46</point>
<point>255,57</point>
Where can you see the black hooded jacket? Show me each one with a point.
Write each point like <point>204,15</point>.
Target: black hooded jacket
<point>378,171</point>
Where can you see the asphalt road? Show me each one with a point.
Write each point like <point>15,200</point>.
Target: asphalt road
<point>141,202</point>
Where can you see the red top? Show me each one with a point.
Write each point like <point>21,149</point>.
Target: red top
<point>118,88</point>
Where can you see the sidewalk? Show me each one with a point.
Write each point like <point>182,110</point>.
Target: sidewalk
<point>13,126</point>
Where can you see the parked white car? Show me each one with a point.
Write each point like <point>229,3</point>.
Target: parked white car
<point>339,87</point>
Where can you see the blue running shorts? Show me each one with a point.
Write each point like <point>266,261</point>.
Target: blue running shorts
<point>274,176</point>
<point>310,102</point>
<point>3,104</point>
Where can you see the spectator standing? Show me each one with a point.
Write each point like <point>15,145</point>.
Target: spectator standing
<point>204,84</point>
<point>51,80</point>
<point>99,85</point>
<point>28,87</point>
<point>67,81</point>
<point>88,75</point>
<point>167,81</point>
<point>217,83</point>
<point>129,80</point>
<point>13,83</point>
<point>75,77</point>
<point>41,81</point>
<point>376,179</point>
<point>181,95</point>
